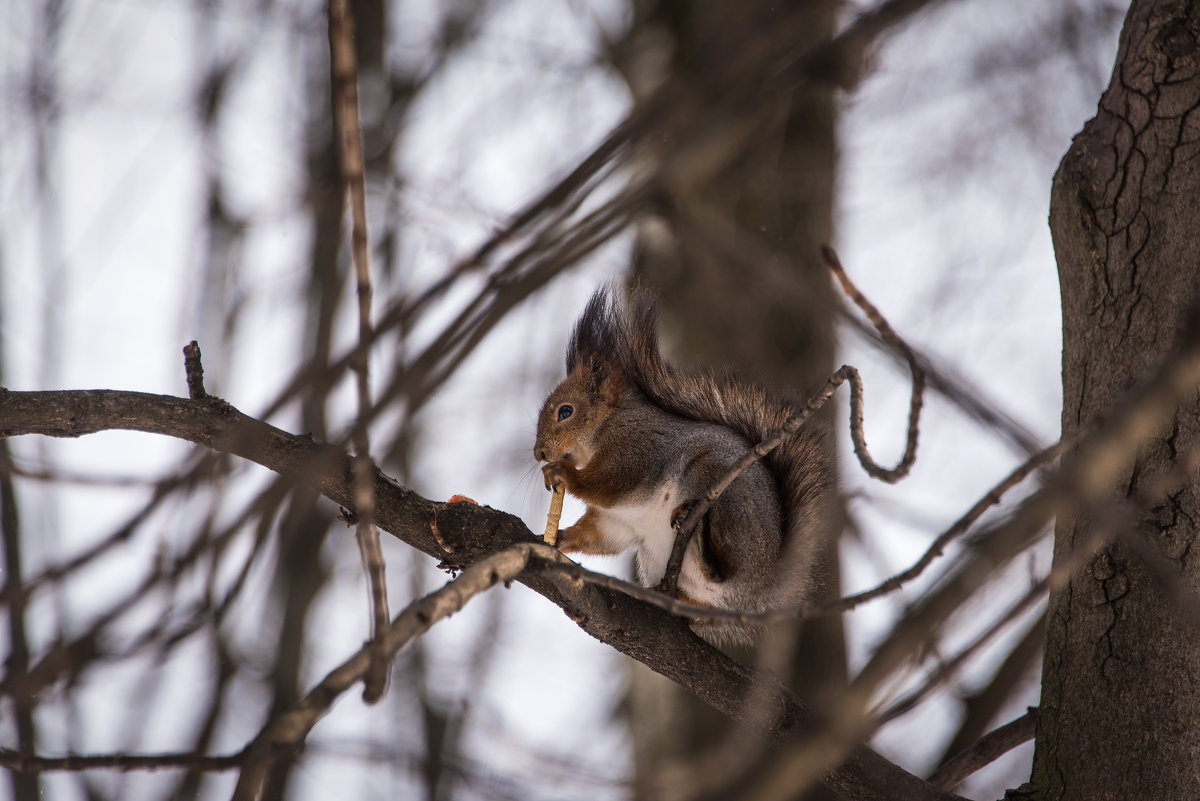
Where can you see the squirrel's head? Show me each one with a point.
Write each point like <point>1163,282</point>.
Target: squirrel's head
<point>576,411</point>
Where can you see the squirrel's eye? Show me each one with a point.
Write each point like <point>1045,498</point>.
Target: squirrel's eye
<point>565,411</point>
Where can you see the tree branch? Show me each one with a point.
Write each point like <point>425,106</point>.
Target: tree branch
<point>982,705</point>
<point>11,760</point>
<point>343,65</point>
<point>460,535</point>
<point>986,750</point>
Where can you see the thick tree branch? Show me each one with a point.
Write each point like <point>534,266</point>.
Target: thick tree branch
<point>460,535</point>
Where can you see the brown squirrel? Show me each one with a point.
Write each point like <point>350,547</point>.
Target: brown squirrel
<point>638,442</point>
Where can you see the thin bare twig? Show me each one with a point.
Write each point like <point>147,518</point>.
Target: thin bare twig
<point>982,705</point>
<point>986,750</point>
<point>953,387</point>
<point>948,667</point>
<point>11,760</point>
<point>991,498</point>
<point>23,705</point>
<point>344,69</point>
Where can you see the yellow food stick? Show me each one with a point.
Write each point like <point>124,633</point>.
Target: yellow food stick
<point>552,517</point>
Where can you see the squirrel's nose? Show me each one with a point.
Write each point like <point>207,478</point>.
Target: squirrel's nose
<point>539,454</point>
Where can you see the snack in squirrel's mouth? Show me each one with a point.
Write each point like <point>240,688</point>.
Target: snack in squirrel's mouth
<point>554,515</point>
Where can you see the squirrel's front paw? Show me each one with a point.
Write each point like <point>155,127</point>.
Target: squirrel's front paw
<point>568,539</point>
<point>557,473</point>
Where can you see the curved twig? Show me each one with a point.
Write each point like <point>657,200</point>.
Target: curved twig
<point>889,335</point>
<point>686,526</point>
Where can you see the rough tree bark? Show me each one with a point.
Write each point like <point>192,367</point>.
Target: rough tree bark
<point>1121,681</point>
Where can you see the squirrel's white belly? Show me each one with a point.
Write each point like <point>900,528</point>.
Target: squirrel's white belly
<point>646,526</point>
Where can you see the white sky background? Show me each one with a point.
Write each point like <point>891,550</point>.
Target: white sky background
<point>945,182</point>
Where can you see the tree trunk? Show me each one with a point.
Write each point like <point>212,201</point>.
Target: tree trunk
<point>1121,681</point>
<point>722,311</point>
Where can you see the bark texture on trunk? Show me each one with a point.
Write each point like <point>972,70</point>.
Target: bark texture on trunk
<point>1121,680</point>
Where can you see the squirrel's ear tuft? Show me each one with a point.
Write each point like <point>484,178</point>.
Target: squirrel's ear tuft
<point>616,340</point>
<point>597,333</point>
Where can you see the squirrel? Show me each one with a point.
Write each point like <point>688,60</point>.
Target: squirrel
<point>639,441</point>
